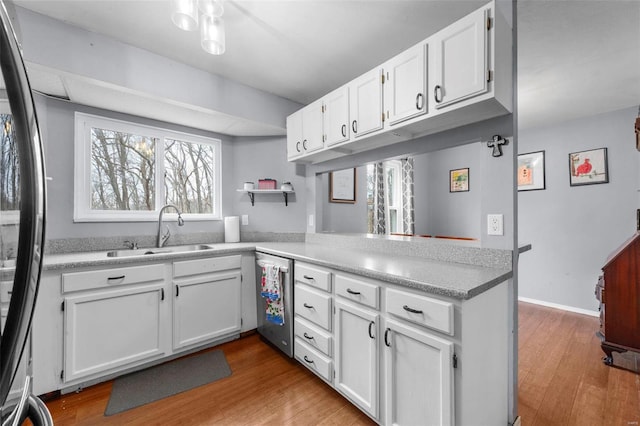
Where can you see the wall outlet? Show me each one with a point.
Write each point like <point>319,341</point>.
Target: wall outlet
<point>245,219</point>
<point>311,221</point>
<point>495,224</point>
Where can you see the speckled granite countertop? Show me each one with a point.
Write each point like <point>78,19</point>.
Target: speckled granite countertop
<point>451,279</point>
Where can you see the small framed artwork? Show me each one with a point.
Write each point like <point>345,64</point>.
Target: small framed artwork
<point>342,186</point>
<point>459,180</point>
<point>588,167</point>
<point>531,171</point>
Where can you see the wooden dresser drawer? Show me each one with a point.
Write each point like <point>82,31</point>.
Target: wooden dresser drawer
<point>314,336</point>
<point>358,290</point>
<point>314,276</point>
<point>102,278</point>
<point>313,360</point>
<point>422,310</point>
<point>313,305</point>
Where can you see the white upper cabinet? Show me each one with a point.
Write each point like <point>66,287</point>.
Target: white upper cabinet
<point>304,130</point>
<point>365,103</point>
<point>460,60</point>
<point>336,116</point>
<point>405,85</point>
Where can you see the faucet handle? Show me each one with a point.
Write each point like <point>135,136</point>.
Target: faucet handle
<point>131,244</point>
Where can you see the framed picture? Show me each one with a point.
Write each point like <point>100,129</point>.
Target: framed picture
<point>588,167</point>
<point>459,180</point>
<point>531,171</point>
<point>342,186</point>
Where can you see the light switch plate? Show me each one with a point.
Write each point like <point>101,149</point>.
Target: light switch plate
<point>311,221</point>
<point>245,219</point>
<point>495,224</point>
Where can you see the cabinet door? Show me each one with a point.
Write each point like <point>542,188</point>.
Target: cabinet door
<point>206,307</point>
<point>312,135</point>
<point>105,330</point>
<point>365,103</point>
<point>356,355</point>
<point>336,116</point>
<point>406,84</point>
<point>461,59</point>
<point>418,377</point>
<point>294,135</point>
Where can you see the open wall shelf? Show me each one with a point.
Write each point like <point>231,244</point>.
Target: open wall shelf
<point>253,192</point>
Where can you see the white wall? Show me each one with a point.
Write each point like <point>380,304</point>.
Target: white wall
<point>346,217</point>
<point>573,229</point>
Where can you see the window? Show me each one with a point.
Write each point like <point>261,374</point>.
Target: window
<point>127,172</point>
<point>392,196</point>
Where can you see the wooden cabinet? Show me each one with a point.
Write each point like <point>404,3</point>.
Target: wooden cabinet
<point>206,302</point>
<point>113,327</point>
<point>304,130</point>
<point>460,59</point>
<point>418,376</point>
<point>357,355</point>
<point>405,86</point>
<point>619,294</point>
<point>336,116</point>
<point>365,103</point>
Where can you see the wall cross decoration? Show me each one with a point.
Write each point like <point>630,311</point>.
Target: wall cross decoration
<point>496,144</point>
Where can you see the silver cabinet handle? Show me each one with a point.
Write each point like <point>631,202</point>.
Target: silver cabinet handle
<point>419,101</point>
<point>413,311</point>
<point>436,90</point>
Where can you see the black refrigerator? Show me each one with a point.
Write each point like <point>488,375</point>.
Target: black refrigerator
<point>22,223</point>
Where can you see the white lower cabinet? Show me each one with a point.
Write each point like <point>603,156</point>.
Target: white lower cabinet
<point>108,329</point>
<point>418,376</point>
<point>357,355</point>
<point>206,305</point>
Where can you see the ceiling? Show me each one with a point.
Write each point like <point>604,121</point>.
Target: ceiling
<point>575,57</point>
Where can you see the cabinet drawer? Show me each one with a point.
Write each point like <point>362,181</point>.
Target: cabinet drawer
<point>421,310</point>
<point>313,276</point>
<point>358,290</point>
<point>313,305</point>
<point>313,336</point>
<point>313,360</point>
<point>204,266</point>
<point>111,277</point>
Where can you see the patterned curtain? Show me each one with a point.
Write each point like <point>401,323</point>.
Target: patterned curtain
<point>408,219</point>
<point>379,200</point>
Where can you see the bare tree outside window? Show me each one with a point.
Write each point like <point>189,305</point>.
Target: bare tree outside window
<point>188,175</point>
<point>122,171</point>
<point>9,167</point>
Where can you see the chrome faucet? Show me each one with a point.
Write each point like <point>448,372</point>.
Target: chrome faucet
<point>162,238</point>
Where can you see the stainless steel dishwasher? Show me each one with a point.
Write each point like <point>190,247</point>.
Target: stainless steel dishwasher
<point>279,335</point>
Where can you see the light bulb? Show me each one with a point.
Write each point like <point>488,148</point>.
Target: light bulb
<point>212,35</point>
<point>185,14</point>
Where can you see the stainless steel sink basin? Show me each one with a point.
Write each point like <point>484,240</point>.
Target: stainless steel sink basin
<point>155,250</point>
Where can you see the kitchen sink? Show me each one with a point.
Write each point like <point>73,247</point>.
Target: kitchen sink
<point>155,250</point>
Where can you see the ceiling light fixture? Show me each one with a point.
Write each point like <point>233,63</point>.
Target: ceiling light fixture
<point>212,33</point>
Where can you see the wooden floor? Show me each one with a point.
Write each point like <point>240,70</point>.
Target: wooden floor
<point>562,381</point>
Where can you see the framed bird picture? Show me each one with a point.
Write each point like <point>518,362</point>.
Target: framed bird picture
<point>588,167</point>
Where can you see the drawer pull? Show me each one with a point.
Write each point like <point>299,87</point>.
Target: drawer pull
<point>352,292</point>
<point>121,277</point>
<point>386,342</point>
<point>307,360</point>
<point>306,336</point>
<point>371,335</point>
<point>177,291</point>
<point>162,294</point>
<point>413,311</point>
<point>307,277</point>
<point>307,306</point>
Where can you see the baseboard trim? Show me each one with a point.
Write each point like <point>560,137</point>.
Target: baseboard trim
<point>559,306</point>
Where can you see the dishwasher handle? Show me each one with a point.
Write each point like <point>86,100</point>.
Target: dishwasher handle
<point>262,264</point>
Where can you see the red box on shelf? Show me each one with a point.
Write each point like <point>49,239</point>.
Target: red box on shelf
<point>266,183</point>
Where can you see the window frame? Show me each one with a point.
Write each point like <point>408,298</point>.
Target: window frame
<point>82,211</point>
